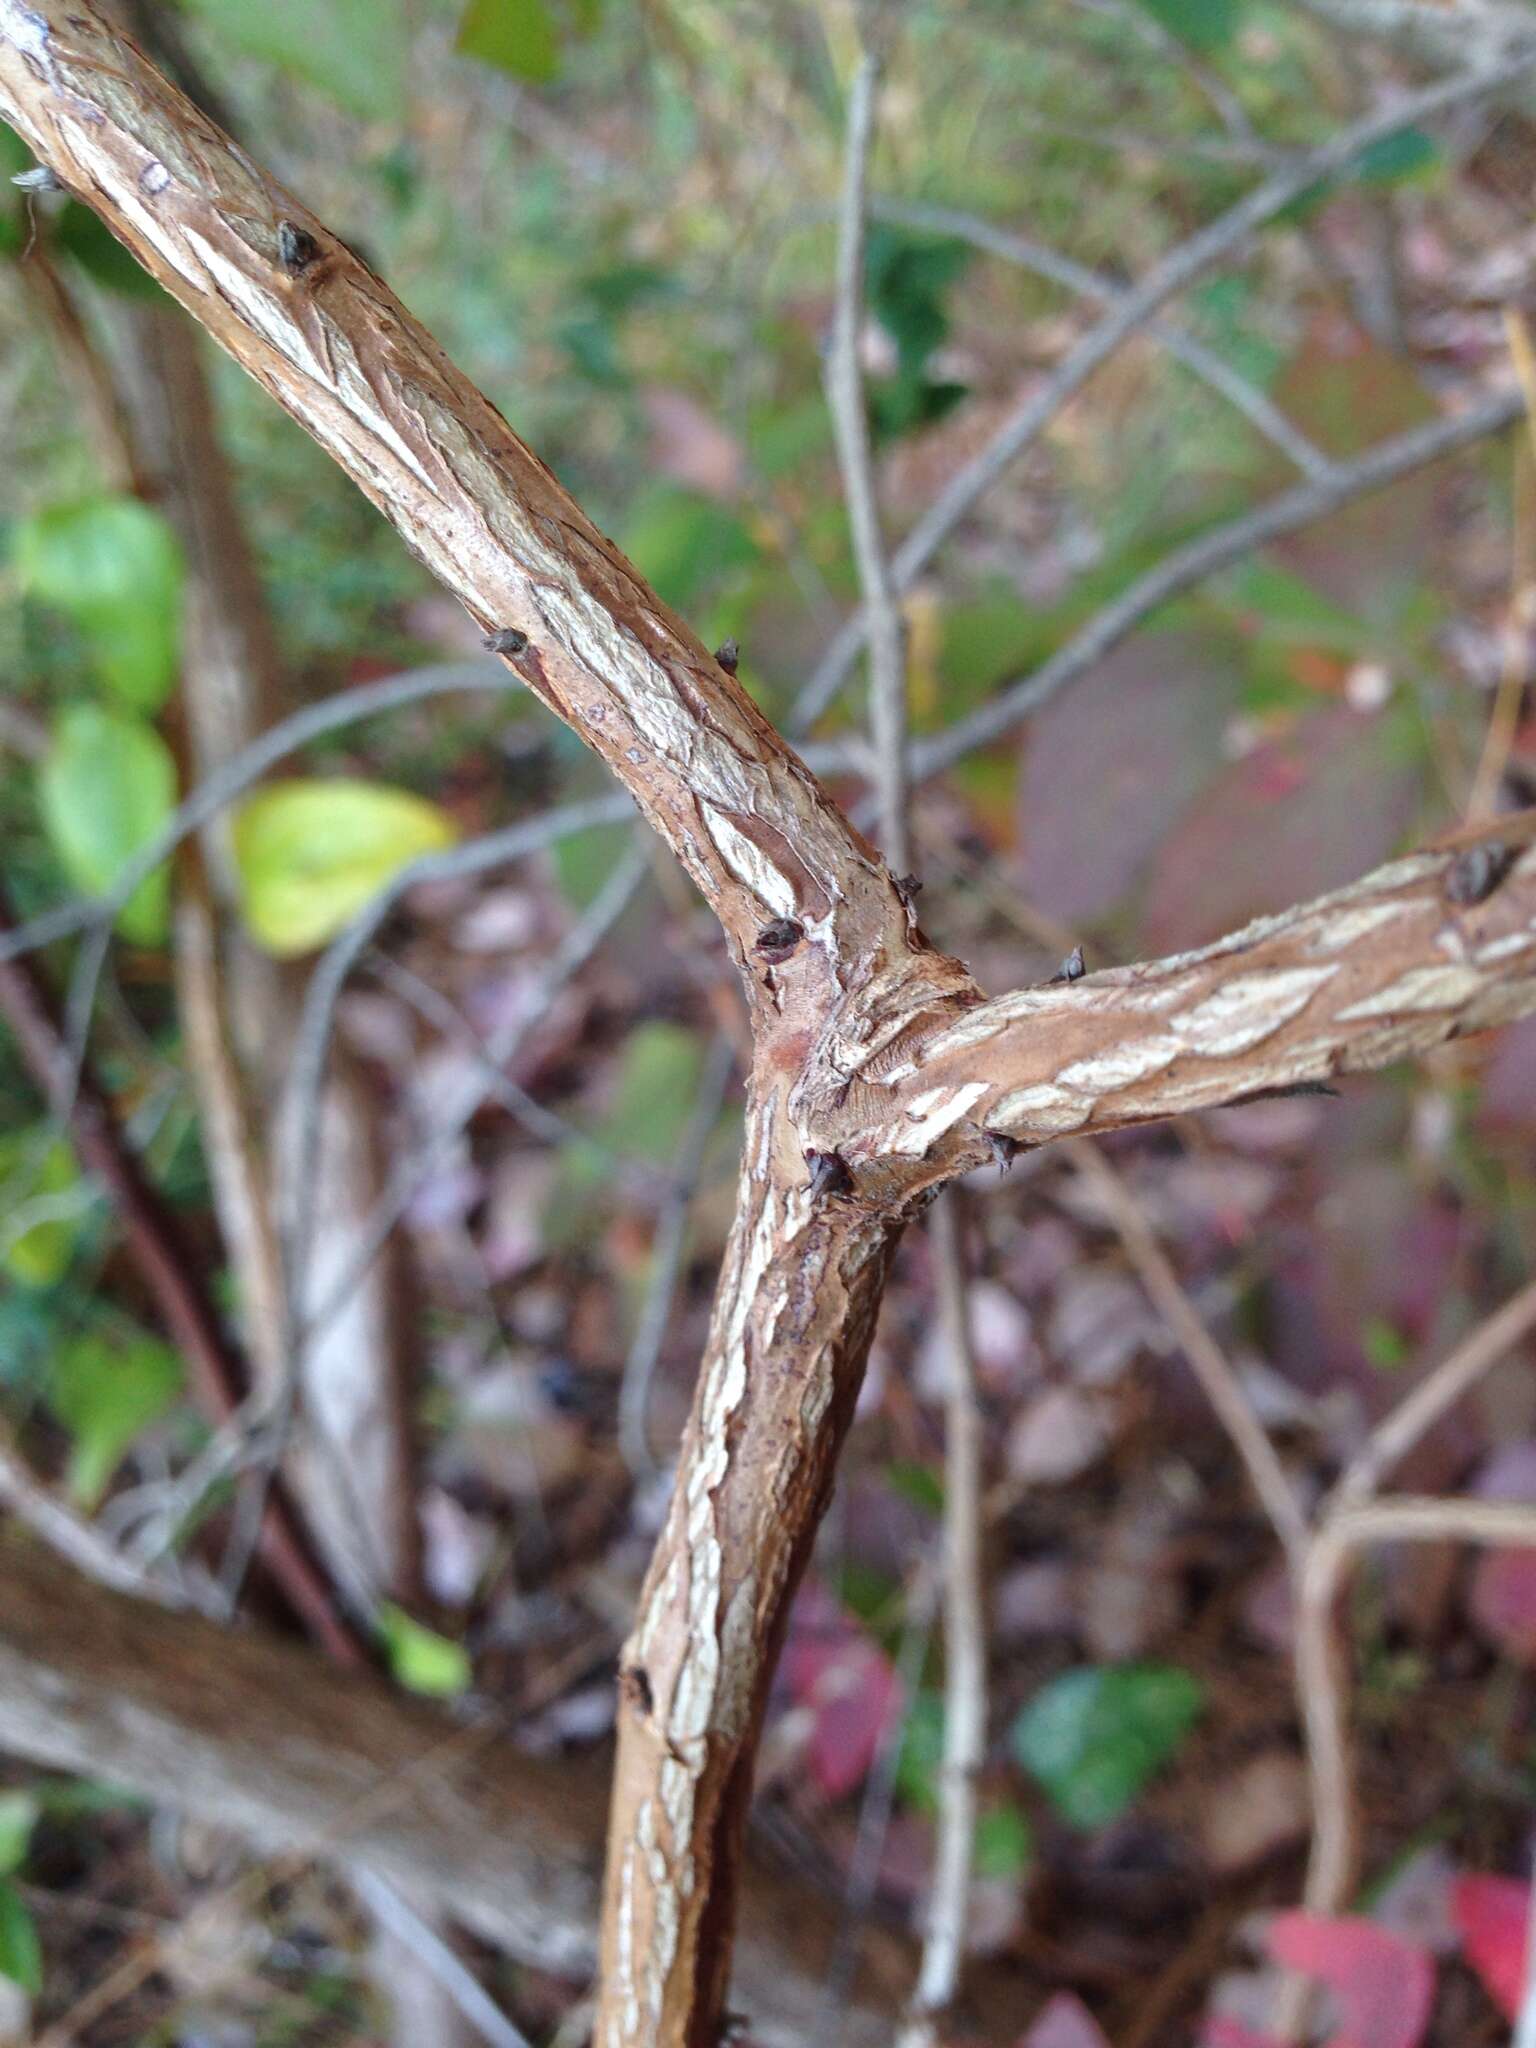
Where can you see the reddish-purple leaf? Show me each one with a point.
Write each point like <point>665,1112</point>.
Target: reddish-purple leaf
<point>1065,2023</point>
<point>1385,1986</point>
<point>1492,1915</point>
<point>850,1686</point>
<point>1504,1601</point>
<point>1224,2033</point>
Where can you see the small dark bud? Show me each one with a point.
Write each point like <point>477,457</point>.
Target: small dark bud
<point>38,179</point>
<point>1072,968</point>
<point>296,247</point>
<point>507,641</point>
<point>635,1685</point>
<point>1004,1150</point>
<point>1476,872</point>
<point>776,941</point>
<point>829,1175</point>
<point>728,654</point>
<point>909,888</point>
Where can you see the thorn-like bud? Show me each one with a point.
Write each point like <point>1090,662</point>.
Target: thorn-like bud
<point>1004,1149</point>
<point>776,941</point>
<point>728,654</point>
<point>296,247</point>
<point>829,1175</point>
<point>508,641</point>
<point>1072,968</point>
<point>909,888</point>
<point>1477,871</point>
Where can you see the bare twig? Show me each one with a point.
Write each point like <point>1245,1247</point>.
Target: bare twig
<point>172,1272</point>
<point>76,1538</point>
<point>667,1258</point>
<point>1206,1359</point>
<point>1186,566</point>
<point>850,421</point>
<point>1177,270</point>
<point>1503,720</point>
<point>399,1918</point>
<point>965,1677</point>
<point>1245,397</point>
<point>965,1636</point>
<point>1454,1377</point>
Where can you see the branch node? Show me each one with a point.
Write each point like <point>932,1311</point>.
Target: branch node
<point>728,656</point>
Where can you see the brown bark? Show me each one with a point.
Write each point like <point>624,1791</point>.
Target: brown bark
<point>879,1070</point>
<point>247,1731</point>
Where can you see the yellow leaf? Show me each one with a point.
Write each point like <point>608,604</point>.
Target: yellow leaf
<point>310,855</point>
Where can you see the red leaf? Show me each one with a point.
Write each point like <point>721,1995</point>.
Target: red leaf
<point>1492,1915</point>
<point>1385,1986</point>
<point>850,1686</point>
<point>1221,2033</point>
<point>1065,2023</point>
<point>1504,1601</point>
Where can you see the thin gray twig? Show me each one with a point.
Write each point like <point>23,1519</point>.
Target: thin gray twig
<point>1173,274</point>
<point>1202,557</point>
<point>850,423</point>
<point>667,1259</point>
<point>1255,405</point>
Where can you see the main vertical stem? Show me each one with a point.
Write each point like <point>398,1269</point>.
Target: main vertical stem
<point>793,1318</point>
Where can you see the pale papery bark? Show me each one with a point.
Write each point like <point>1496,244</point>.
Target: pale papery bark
<point>879,1070</point>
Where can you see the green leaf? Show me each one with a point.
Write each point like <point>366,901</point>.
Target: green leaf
<point>1200,24</point>
<point>908,277</point>
<point>1405,158</point>
<point>105,788</point>
<point>18,1817</point>
<point>920,1484</point>
<point>310,855</point>
<point>21,1953</point>
<point>115,568</point>
<point>583,861</point>
<point>658,1083</point>
<point>922,1752</point>
<point>353,51</point>
<point>104,1393</point>
<point>514,35</point>
<point>38,1171</point>
<point>1094,1737</point>
<point>422,1660</point>
<point>683,542</point>
<point>1005,1842</point>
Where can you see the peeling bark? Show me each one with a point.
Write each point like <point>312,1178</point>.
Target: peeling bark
<point>879,1071</point>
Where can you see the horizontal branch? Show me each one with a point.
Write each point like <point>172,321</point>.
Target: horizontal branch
<point>1426,949</point>
<point>252,1733</point>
